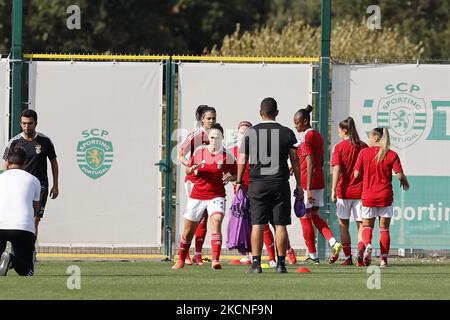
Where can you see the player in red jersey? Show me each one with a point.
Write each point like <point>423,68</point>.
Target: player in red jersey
<point>268,235</point>
<point>376,164</point>
<point>242,128</point>
<point>213,166</point>
<point>310,151</point>
<point>346,190</point>
<point>206,118</point>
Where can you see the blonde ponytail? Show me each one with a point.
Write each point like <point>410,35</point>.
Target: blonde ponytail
<point>385,144</point>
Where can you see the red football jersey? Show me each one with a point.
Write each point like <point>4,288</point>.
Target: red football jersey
<point>312,144</point>
<point>246,179</point>
<point>208,182</point>
<point>345,156</point>
<point>195,139</point>
<point>377,177</point>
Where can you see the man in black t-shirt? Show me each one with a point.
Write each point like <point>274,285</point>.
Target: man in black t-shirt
<point>268,145</point>
<point>38,148</point>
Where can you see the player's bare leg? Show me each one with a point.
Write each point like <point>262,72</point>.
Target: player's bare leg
<point>36,225</point>
<point>281,243</point>
<point>257,244</point>
<point>37,219</point>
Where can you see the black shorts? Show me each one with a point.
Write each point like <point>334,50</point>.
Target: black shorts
<point>22,243</point>
<point>43,200</point>
<point>270,202</point>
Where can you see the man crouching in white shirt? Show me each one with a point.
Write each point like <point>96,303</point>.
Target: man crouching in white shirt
<point>19,204</point>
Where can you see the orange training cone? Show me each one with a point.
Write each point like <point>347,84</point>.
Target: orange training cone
<point>302,270</point>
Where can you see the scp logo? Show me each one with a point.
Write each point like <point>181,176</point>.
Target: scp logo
<point>405,113</point>
<point>95,153</point>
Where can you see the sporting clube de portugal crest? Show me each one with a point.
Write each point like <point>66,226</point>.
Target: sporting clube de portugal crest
<point>95,153</point>
<point>405,115</point>
<point>402,111</point>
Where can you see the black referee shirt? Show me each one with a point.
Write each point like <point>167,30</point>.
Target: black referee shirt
<point>37,150</point>
<point>267,145</point>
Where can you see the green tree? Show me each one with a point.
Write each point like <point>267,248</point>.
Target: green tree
<point>188,26</point>
<point>130,26</point>
<point>421,21</point>
<point>349,40</point>
<point>5,26</point>
<point>205,23</point>
<point>120,26</point>
<point>283,11</point>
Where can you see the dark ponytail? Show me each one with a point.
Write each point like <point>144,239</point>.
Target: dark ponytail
<point>217,126</point>
<point>349,126</point>
<point>201,110</point>
<point>305,113</point>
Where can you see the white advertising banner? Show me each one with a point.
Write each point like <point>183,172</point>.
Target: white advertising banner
<point>235,91</point>
<point>104,119</point>
<point>413,102</point>
<point>4,103</point>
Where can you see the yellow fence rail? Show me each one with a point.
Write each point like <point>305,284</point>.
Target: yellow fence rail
<point>106,57</point>
<point>101,57</point>
<point>246,59</point>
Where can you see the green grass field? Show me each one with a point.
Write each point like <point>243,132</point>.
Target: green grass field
<point>404,279</point>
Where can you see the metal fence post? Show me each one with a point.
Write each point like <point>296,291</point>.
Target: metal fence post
<point>316,89</point>
<point>324,103</point>
<point>16,56</point>
<point>170,98</point>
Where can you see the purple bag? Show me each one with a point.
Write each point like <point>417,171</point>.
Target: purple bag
<point>239,227</point>
<point>299,205</point>
<point>299,208</point>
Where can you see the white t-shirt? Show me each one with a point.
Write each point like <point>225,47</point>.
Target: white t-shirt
<point>18,190</point>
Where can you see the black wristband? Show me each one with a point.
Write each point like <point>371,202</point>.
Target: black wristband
<point>239,182</point>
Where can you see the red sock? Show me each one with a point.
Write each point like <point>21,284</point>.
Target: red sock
<point>367,235</point>
<point>322,226</point>
<point>308,234</point>
<point>361,246</point>
<point>216,245</point>
<point>200,234</point>
<point>385,242</point>
<point>269,242</point>
<point>289,246</point>
<point>184,249</point>
<point>347,248</point>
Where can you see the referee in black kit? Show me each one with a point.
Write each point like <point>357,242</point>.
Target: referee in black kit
<point>268,145</point>
<point>38,149</point>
